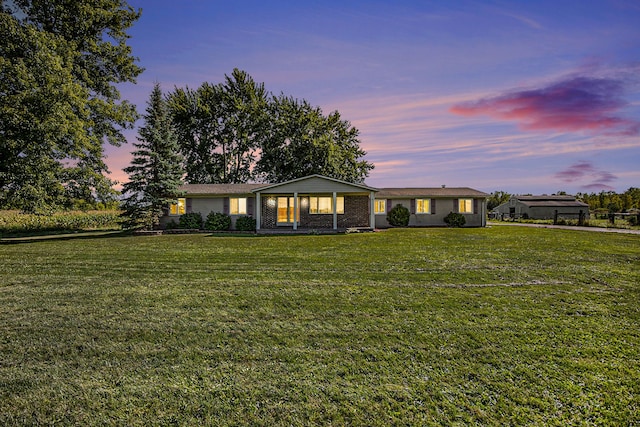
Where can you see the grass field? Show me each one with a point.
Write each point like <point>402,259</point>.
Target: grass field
<point>495,326</point>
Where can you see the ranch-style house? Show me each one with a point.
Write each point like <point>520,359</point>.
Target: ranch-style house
<point>326,204</point>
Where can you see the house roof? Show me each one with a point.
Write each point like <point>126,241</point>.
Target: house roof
<point>544,197</point>
<point>315,178</point>
<point>430,192</point>
<point>218,189</point>
<point>550,201</point>
<point>554,203</point>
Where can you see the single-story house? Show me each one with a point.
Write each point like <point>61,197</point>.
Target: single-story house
<point>542,207</point>
<point>429,206</point>
<point>320,203</point>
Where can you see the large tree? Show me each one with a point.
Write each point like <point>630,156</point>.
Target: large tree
<point>60,61</point>
<point>220,128</point>
<point>235,132</point>
<point>156,169</point>
<point>302,141</point>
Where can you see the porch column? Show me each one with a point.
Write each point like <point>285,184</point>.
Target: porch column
<point>295,211</point>
<point>258,210</point>
<point>335,211</point>
<point>372,213</point>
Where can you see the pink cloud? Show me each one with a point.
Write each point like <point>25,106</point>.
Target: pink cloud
<point>583,171</point>
<point>574,104</point>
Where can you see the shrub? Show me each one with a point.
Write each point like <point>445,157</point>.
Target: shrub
<point>398,216</point>
<point>217,221</point>
<point>171,225</point>
<point>191,220</point>
<point>245,223</point>
<point>454,219</point>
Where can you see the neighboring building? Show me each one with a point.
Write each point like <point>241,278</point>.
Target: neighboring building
<point>320,203</point>
<point>542,207</point>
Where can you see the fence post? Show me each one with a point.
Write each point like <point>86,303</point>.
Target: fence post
<point>555,217</point>
<point>581,218</point>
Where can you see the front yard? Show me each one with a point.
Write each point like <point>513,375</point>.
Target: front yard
<point>495,326</point>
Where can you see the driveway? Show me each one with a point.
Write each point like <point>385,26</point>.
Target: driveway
<point>565,227</point>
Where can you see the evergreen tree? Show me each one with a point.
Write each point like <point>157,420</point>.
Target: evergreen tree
<point>155,172</point>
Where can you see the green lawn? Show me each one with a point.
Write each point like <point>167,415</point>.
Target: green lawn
<point>495,326</point>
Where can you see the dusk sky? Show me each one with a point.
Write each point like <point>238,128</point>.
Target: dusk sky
<point>519,96</point>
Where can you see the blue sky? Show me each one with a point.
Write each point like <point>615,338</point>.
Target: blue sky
<point>518,96</point>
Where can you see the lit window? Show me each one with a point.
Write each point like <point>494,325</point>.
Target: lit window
<point>423,206</point>
<point>238,206</point>
<point>324,205</point>
<point>380,206</point>
<point>465,205</point>
<point>178,208</point>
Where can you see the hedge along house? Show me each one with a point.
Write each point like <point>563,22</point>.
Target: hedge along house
<point>326,204</point>
<point>429,206</point>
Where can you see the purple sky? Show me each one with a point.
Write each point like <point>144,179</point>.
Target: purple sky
<point>518,96</point>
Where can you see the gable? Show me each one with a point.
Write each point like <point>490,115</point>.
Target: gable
<point>314,184</point>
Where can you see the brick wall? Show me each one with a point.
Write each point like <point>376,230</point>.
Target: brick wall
<point>356,214</point>
<point>269,217</point>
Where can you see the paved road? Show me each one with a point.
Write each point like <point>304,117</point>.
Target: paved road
<point>566,227</point>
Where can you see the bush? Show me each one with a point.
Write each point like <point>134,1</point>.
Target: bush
<point>245,223</point>
<point>191,220</point>
<point>217,221</point>
<point>398,216</point>
<point>454,219</point>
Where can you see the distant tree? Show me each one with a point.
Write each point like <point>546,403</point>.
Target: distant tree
<point>59,61</point>
<point>156,169</point>
<point>496,199</point>
<point>302,141</point>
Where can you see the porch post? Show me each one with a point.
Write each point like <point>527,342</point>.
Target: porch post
<point>295,210</point>
<point>372,213</point>
<point>335,211</point>
<point>258,209</point>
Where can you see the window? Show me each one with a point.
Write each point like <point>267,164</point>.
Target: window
<point>465,206</point>
<point>423,206</point>
<point>178,208</point>
<point>324,205</point>
<point>238,206</point>
<point>380,206</point>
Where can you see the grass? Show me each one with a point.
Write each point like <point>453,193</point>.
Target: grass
<point>496,326</point>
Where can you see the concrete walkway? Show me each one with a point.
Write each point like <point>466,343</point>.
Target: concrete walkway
<point>566,227</point>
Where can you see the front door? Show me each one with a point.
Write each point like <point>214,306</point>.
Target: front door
<point>285,211</point>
